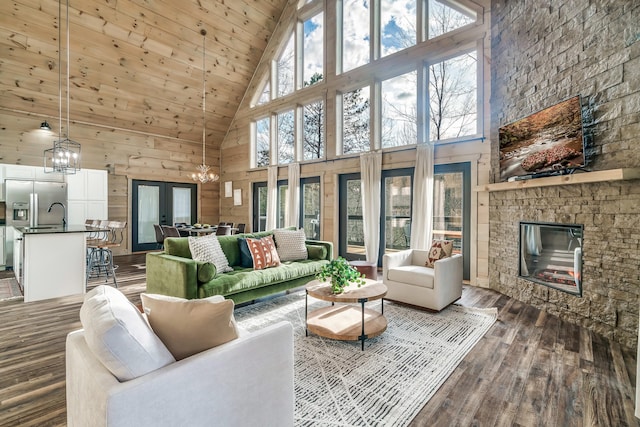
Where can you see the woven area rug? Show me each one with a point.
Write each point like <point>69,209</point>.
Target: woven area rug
<point>337,384</point>
<point>9,289</point>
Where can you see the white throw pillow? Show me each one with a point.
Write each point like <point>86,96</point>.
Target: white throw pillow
<point>188,327</point>
<point>208,249</point>
<point>290,244</point>
<point>119,336</point>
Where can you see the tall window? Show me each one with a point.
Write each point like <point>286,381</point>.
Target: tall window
<point>443,17</point>
<point>453,97</point>
<point>283,202</point>
<point>436,98</point>
<point>399,110</point>
<point>310,207</point>
<point>397,25</point>
<point>355,34</point>
<point>313,49</point>
<point>260,206</point>
<point>355,121</point>
<point>285,69</point>
<point>263,142</point>
<point>313,130</point>
<point>286,141</point>
<point>351,243</point>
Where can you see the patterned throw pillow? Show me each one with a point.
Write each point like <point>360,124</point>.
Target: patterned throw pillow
<point>439,249</point>
<point>207,249</point>
<point>290,244</point>
<point>263,252</point>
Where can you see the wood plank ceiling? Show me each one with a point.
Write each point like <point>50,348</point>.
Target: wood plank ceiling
<point>135,64</point>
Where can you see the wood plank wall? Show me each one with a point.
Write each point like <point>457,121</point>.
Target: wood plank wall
<point>135,77</point>
<point>235,152</point>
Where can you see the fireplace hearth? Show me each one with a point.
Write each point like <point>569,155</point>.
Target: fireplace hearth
<point>551,255</point>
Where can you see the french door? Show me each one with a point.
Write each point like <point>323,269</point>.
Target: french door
<point>164,203</point>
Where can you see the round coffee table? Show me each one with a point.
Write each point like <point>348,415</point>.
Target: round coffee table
<point>343,321</point>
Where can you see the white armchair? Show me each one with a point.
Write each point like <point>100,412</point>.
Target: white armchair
<point>247,381</point>
<point>408,280</point>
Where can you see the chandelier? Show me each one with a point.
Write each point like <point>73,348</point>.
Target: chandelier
<point>64,157</point>
<point>203,175</point>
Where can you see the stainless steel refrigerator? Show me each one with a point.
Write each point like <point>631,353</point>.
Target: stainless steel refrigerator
<point>27,204</point>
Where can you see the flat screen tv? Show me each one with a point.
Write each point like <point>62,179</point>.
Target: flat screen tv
<point>548,142</point>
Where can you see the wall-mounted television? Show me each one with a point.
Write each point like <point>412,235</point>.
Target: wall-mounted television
<point>548,142</point>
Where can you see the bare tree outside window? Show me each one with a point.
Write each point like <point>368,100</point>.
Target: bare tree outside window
<point>452,97</point>
<point>399,110</point>
<point>262,142</point>
<point>286,143</point>
<point>355,121</point>
<point>285,69</point>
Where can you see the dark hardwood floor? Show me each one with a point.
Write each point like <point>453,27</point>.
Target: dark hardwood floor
<point>531,369</point>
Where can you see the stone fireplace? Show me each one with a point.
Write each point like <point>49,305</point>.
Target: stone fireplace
<point>543,53</point>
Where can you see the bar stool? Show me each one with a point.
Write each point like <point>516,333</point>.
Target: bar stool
<point>100,258</point>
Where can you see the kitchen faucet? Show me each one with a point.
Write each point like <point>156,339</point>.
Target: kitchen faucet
<point>64,212</point>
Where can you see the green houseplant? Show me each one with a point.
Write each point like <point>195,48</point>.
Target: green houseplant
<point>341,275</point>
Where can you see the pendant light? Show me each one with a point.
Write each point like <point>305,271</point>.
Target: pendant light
<point>64,157</point>
<point>203,175</point>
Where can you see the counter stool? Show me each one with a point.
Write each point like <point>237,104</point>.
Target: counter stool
<point>100,257</point>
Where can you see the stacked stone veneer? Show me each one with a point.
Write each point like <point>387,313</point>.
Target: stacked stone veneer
<point>542,53</point>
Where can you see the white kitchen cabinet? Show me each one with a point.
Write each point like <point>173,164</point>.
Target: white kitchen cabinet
<point>87,196</point>
<point>19,172</point>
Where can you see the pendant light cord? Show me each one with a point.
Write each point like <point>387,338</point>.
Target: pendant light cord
<point>59,69</point>
<point>204,94</point>
<point>68,56</point>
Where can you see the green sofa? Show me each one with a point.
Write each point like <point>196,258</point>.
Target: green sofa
<point>174,273</point>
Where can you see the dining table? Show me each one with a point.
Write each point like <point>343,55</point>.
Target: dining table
<point>197,231</point>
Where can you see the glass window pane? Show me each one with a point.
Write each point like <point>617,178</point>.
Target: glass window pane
<point>283,202</point>
<point>265,96</point>
<point>397,25</point>
<point>262,142</point>
<point>313,131</point>
<point>262,208</point>
<point>148,212</point>
<point>452,97</point>
<point>397,206</point>
<point>311,210</point>
<point>355,34</point>
<point>181,205</point>
<point>447,208</point>
<point>355,226</point>
<point>285,69</point>
<point>355,121</point>
<point>399,117</point>
<point>443,17</point>
<point>285,138</point>
<point>313,50</point>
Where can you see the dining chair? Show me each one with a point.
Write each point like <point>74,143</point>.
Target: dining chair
<point>222,223</point>
<point>159,235</point>
<point>240,229</point>
<point>170,231</point>
<point>223,230</point>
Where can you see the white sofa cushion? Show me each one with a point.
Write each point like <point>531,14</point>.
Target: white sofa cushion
<point>119,336</point>
<point>188,327</point>
<point>417,275</point>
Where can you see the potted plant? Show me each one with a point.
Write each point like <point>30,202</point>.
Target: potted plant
<point>341,275</point>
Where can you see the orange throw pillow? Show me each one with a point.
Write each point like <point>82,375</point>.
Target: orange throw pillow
<point>439,249</point>
<point>264,253</point>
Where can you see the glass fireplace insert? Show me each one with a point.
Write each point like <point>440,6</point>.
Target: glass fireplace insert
<point>551,255</point>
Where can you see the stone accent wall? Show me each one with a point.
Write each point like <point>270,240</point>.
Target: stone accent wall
<point>543,53</point>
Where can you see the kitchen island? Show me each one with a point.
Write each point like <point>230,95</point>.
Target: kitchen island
<point>50,261</point>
